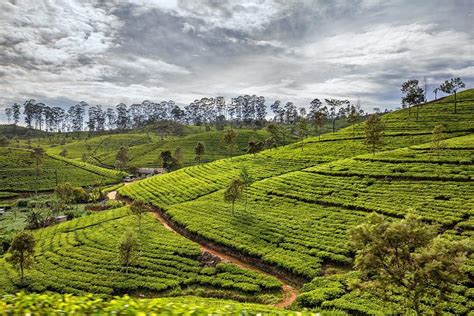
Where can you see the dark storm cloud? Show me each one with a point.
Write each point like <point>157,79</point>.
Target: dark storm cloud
<point>123,50</point>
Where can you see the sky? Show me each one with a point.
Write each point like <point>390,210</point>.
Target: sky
<point>105,52</point>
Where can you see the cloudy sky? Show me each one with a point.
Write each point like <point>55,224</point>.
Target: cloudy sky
<point>109,51</point>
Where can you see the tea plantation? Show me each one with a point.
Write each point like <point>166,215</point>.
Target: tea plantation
<point>306,196</point>
<point>19,171</point>
<point>80,256</point>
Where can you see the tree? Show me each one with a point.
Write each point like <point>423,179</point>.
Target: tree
<point>302,130</point>
<point>407,260</point>
<point>334,104</point>
<point>374,132</point>
<point>4,141</point>
<point>9,114</point>
<point>275,133</point>
<point>34,219</point>
<point>254,147</point>
<point>413,94</point>
<point>122,158</point>
<point>353,114</point>
<point>233,192</point>
<point>65,192</point>
<point>246,180</point>
<point>128,249</point>
<point>37,154</point>
<point>63,152</point>
<point>16,113</point>
<point>452,86</point>
<point>228,139</point>
<point>437,144</point>
<point>138,209</point>
<point>199,151</point>
<point>22,250</point>
<point>169,162</point>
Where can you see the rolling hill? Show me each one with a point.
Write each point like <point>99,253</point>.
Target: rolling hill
<point>305,196</point>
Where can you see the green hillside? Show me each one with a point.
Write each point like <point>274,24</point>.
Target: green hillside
<point>144,148</point>
<point>307,195</point>
<point>18,172</point>
<point>80,256</point>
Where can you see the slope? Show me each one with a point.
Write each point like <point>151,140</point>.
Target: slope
<point>307,195</point>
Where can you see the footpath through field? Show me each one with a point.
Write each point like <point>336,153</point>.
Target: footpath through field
<point>289,293</point>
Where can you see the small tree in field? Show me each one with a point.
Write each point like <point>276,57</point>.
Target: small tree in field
<point>413,94</point>
<point>22,250</point>
<point>199,151</point>
<point>374,132</point>
<point>178,155</point>
<point>452,86</point>
<point>247,180</point>
<point>406,260</point>
<point>122,158</point>
<point>233,192</point>
<point>138,209</point>
<point>228,139</point>
<point>437,144</point>
<point>128,249</point>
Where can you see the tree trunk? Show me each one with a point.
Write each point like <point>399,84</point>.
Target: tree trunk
<point>334,125</point>
<point>455,102</point>
<point>233,208</point>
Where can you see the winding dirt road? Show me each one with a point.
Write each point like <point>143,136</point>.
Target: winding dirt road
<point>289,293</point>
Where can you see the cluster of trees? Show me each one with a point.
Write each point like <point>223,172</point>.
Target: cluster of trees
<point>413,94</point>
<point>246,110</point>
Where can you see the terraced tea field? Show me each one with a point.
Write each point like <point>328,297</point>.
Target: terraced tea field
<point>306,196</point>
<point>19,172</point>
<point>80,257</point>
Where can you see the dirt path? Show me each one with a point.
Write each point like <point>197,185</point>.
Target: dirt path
<point>289,293</point>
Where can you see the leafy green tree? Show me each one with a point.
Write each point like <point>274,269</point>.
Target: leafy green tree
<point>199,151</point>
<point>275,134</point>
<point>437,144</point>
<point>128,250</point>
<point>228,139</point>
<point>35,219</point>
<point>168,161</point>
<point>452,86</point>
<point>65,192</point>
<point>233,192</point>
<point>374,132</point>
<point>413,94</point>
<point>138,209</point>
<point>22,251</point>
<point>353,115</point>
<point>122,158</point>
<point>406,260</point>
<point>246,179</point>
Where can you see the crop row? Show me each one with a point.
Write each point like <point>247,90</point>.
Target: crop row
<point>81,256</point>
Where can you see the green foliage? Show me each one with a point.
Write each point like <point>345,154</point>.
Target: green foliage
<point>374,132</point>
<point>22,251</point>
<point>80,256</point>
<point>47,304</point>
<point>405,259</point>
<point>128,250</point>
<point>233,192</point>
